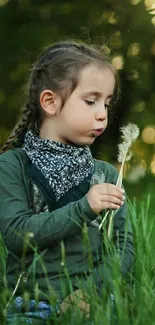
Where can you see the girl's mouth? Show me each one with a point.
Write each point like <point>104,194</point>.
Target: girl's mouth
<point>98,132</point>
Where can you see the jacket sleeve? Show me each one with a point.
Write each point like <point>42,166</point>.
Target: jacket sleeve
<point>17,218</point>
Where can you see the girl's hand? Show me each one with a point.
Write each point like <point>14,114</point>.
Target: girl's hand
<point>77,298</point>
<point>105,196</point>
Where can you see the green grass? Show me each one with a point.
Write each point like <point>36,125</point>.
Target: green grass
<point>134,299</point>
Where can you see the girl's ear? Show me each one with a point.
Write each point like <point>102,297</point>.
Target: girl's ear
<point>50,102</point>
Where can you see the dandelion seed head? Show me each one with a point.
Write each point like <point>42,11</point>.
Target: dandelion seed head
<point>129,156</point>
<point>129,135</point>
<point>122,151</point>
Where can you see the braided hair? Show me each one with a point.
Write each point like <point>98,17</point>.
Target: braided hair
<point>57,68</point>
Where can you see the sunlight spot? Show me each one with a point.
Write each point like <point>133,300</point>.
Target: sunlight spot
<point>118,62</point>
<point>112,19</point>
<point>153,47</point>
<point>3,2</point>
<point>133,49</point>
<point>153,166</point>
<point>149,3</point>
<point>135,2</point>
<point>148,134</point>
<point>153,21</point>
<point>106,50</point>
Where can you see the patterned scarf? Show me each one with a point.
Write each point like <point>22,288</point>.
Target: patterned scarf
<point>64,166</point>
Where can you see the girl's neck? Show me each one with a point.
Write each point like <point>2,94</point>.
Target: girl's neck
<point>48,131</point>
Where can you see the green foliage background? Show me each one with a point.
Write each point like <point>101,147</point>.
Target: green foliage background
<point>124,29</point>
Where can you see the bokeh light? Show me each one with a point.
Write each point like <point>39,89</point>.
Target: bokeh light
<point>153,48</point>
<point>149,3</point>
<point>152,166</point>
<point>153,21</point>
<point>148,134</point>
<point>112,19</point>
<point>3,2</point>
<point>106,50</point>
<point>135,2</point>
<point>133,49</point>
<point>118,62</point>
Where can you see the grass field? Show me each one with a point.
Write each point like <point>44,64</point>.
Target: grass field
<point>134,300</point>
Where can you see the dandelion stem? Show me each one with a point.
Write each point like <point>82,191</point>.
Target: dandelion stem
<point>130,134</point>
<point>102,222</point>
<point>120,176</point>
<point>119,182</point>
<point>110,224</point>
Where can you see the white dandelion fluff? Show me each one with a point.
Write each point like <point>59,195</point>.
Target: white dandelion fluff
<point>129,134</point>
<point>122,150</point>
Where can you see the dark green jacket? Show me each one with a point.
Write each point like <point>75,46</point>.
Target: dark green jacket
<point>59,231</point>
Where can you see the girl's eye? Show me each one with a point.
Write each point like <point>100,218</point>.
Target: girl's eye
<point>90,102</point>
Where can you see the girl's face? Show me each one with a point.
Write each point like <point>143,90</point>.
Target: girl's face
<point>84,115</point>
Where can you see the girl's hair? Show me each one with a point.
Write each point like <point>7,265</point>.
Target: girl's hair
<point>57,68</point>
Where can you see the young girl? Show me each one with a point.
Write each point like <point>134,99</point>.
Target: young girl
<point>51,188</point>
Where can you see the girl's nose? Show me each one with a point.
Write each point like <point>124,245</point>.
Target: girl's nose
<point>101,114</point>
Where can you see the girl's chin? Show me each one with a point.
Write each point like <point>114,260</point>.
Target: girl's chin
<point>82,141</point>
<point>85,142</point>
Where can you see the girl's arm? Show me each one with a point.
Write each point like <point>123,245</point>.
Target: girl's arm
<point>17,218</point>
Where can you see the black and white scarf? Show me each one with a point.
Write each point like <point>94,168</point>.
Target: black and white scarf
<point>64,166</point>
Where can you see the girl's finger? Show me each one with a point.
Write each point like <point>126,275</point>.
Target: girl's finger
<point>108,205</point>
<point>113,199</point>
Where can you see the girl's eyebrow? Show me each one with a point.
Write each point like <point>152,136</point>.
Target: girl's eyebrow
<point>96,93</point>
